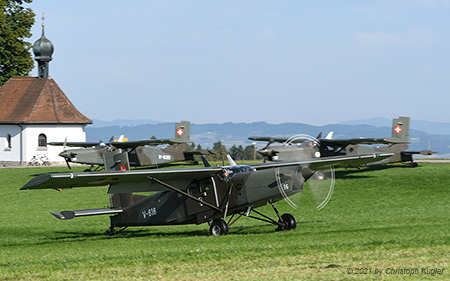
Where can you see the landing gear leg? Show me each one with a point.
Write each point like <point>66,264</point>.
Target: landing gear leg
<point>285,221</point>
<point>111,231</point>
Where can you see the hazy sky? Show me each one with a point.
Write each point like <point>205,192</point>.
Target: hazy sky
<point>316,62</point>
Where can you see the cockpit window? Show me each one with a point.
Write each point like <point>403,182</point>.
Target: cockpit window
<point>310,143</point>
<point>228,172</point>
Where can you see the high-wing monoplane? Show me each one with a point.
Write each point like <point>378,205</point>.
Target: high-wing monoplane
<point>194,195</point>
<point>303,147</point>
<point>140,153</point>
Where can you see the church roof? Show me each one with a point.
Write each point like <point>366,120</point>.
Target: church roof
<point>34,100</point>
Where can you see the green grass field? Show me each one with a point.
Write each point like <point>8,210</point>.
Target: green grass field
<point>390,220</point>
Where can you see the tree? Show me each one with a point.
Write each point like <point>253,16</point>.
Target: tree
<point>250,153</point>
<point>15,26</point>
<point>220,151</point>
<point>236,152</point>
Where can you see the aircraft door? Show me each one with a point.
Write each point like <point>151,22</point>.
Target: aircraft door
<point>239,194</point>
<point>204,190</point>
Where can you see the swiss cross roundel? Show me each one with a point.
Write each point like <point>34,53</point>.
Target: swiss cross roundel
<point>180,132</point>
<point>122,168</point>
<point>398,129</point>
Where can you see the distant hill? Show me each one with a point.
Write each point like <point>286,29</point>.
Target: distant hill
<point>237,133</point>
<point>438,128</point>
<point>122,122</point>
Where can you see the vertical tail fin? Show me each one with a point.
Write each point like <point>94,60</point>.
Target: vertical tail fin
<point>183,131</point>
<point>118,161</point>
<point>400,128</point>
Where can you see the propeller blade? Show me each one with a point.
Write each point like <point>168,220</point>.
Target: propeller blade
<point>67,163</point>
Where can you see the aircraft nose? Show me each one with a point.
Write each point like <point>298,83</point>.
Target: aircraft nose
<point>65,154</point>
<point>267,152</point>
<point>264,152</point>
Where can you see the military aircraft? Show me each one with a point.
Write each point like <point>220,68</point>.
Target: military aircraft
<point>193,195</point>
<point>303,146</point>
<point>141,153</point>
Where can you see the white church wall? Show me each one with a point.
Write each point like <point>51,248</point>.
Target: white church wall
<point>24,143</point>
<point>9,150</point>
<point>55,133</point>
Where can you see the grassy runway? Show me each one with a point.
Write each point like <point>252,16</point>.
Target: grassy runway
<point>381,224</point>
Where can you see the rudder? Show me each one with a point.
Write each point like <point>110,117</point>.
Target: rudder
<point>400,128</point>
<point>183,131</point>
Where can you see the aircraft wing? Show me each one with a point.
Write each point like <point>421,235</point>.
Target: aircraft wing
<point>281,140</point>
<point>125,144</point>
<point>325,162</point>
<point>75,144</point>
<point>135,177</point>
<point>131,144</point>
<point>334,142</point>
<point>341,142</point>
<point>141,180</point>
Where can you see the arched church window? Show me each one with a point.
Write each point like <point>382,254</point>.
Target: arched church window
<point>42,140</point>
<point>8,141</point>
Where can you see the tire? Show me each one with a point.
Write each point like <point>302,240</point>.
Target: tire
<point>218,227</point>
<point>289,221</point>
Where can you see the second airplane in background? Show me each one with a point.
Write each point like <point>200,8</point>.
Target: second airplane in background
<point>140,153</point>
<point>301,147</point>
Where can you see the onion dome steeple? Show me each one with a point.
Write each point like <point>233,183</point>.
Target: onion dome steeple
<point>43,50</point>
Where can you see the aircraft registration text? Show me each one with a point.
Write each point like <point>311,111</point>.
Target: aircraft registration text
<point>148,213</point>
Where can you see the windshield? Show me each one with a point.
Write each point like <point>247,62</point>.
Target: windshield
<point>228,172</point>
<point>310,143</point>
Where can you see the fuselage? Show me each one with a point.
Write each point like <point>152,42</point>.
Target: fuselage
<point>234,190</point>
<point>144,155</point>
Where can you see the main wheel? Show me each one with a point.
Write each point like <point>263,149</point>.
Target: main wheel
<point>218,227</point>
<point>288,222</point>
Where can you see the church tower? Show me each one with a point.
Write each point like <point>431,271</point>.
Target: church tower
<point>43,50</point>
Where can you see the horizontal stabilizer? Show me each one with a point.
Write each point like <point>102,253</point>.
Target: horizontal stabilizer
<point>422,152</point>
<point>67,215</point>
<point>199,152</point>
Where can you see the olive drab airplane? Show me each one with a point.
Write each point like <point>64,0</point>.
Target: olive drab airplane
<point>193,195</point>
<point>304,147</point>
<point>140,153</point>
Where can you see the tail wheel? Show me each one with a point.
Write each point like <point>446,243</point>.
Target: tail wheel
<point>218,227</point>
<point>288,222</point>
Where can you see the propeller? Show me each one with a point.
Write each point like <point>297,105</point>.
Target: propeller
<point>319,185</point>
<point>66,158</point>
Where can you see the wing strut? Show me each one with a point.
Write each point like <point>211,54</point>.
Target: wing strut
<point>185,194</point>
